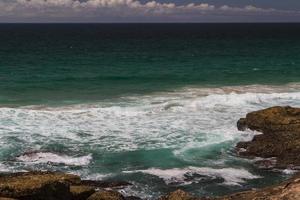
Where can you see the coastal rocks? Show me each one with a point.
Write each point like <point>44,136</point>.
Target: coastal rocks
<point>278,146</point>
<point>182,195</point>
<point>56,186</point>
<point>106,195</point>
<point>105,184</point>
<point>276,119</point>
<point>288,190</point>
<point>178,195</point>
<point>37,185</point>
<point>280,139</point>
<point>81,192</point>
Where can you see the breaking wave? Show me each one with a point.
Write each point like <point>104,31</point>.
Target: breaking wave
<point>190,175</point>
<point>47,157</point>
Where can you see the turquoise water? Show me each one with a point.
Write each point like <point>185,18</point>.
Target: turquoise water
<point>153,104</point>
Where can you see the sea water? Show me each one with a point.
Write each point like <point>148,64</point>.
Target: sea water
<point>152,104</point>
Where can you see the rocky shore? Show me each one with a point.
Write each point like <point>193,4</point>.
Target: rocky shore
<point>278,146</point>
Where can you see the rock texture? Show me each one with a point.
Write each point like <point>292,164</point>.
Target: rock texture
<point>81,192</point>
<point>37,185</point>
<point>55,186</point>
<point>280,139</point>
<point>106,195</point>
<point>180,195</point>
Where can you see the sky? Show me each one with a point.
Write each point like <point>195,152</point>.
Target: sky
<point>106,11</point>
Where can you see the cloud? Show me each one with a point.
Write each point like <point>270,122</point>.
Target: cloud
<point>103,9</point>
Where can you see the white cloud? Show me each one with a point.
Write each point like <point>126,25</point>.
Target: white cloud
<point>60,9</point>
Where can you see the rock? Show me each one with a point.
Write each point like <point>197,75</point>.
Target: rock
<point>106,195</point>
<point>105,184</point>
<point>4,198</point>
<point>280,139</point>
<point>132,198</point>
<point>177,195</point>
<point>242,125</point>
<point>288,190</point>
<point>37,185</point>
<point>81,192</point>
<point>182,195</point>
<point>276,119</point>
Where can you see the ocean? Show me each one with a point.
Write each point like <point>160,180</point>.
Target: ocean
<point>152,104</point>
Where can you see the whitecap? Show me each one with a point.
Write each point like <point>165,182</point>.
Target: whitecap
<point>186,118</point>
<point>48,157</point>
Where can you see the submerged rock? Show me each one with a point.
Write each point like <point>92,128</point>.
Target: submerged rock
<point>280,139</point>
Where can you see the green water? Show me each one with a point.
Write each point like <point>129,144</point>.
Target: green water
<point>152,104</point>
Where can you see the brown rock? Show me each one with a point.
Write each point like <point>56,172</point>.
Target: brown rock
<point>106,195</point>
<point>105,184</point>
<point>181,195</point>
<point>81,192</point>
<point>289,190</point>
<point>37,185</point>
<point>280,138</point>
<point>274,119</point>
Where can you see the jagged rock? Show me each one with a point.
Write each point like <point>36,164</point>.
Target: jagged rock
<point>106,195</point>
<point>37,185</point>
<point>276,119</point>
<point>81,192</point>
<point>280,139</point>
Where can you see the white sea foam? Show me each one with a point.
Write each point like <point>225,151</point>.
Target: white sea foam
<point>184,119</point>
<point>231,176</point>
<point>289,171</point>
<point>46,157</point>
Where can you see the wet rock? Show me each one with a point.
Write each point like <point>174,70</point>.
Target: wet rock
<point>132,198</point>
<point>280,139</point>
<point>241,124</point>
<point>37,185</point>
<point>106,195</point>
<point>288,190</point>
<point>105,184</point>
<point>81,192</point>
